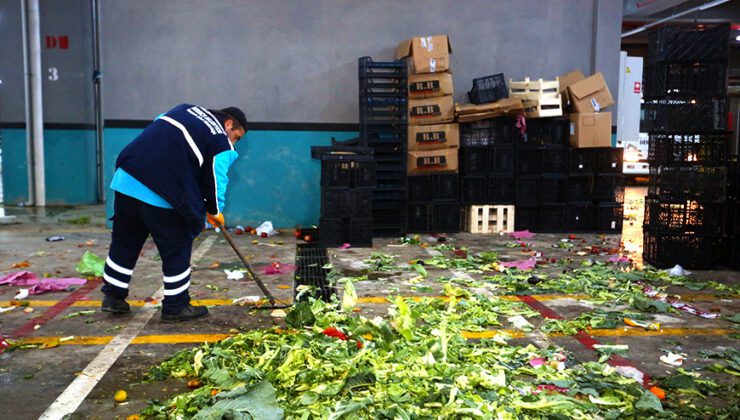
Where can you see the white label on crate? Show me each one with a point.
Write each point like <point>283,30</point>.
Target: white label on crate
<point>595,104</point>
<point>614,224</point>
<point>572,129</point>
<point>432,65</point>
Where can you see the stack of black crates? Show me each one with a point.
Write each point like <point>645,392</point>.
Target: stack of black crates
<point>564,189</point>
<point>685,92</point>
<point>732,253</point>
<point>347,183</point>
<point>434,204</point>
<point>383,127</point>
<point>595,190</point>
<point>487,162</point>
<point>541,166</point>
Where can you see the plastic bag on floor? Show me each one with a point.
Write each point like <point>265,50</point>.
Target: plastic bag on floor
<point>90,265</point>
<point>266,228</point>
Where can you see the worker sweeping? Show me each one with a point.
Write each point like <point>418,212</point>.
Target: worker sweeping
<point>168,181</point>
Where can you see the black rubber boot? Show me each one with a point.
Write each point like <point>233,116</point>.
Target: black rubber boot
<point>187,313</point>
<point>115,305</point>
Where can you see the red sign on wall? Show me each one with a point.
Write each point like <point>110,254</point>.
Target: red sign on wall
<point>637,87</point>
<point>61,42</point>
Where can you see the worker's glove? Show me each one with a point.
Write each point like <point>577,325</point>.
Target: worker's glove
<point>215,220</point>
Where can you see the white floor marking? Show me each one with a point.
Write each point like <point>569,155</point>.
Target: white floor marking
<point>79,389</point>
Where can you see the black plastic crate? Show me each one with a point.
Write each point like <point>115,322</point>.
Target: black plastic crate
<point>733,179</point>
<point>705,42</point>
<point>433,187</point>
<point>663,250</point>
<point>609,160</point>
<point>609,188</point>
<point>502,160</point>
<point>347,171</point>
<point>544,132</point>
<point>733,217</point>
<point>338,231</point>
<point>310,262</point>
<point>699,183</point>
<point>488,89</point>
<point>554,160</point>
<point>582,161</point>
<point>608,217</point>
<point>732,259</point>
<point>685,116</point>
<point>434,218</point>
<point>528,162</point>
<point>527,218</point>
<point>481,190</point>
<point>685,217</point>
<point>474,190</point>
<point>346,202</point>
<point>709,149</point>
<point>579,217</point>
<point>501,190</point>
<point>527,190</point>
<point>552,218</point>
<point>580,188</point>
<point>553,189</point>
<point>475,160</point>
<point>346,147</point>
<point>490,132</point>
<point>684,80</point>
<point>381,69</point>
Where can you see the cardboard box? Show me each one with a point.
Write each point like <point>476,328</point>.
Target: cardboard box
<point>566,80</point>
<point>428,54</point>
<point>430,85</point>
<point>431,137</point>
<point>590,94</point>
<point>591,129</point>
<point>426,161</point>
<point>431,110</point>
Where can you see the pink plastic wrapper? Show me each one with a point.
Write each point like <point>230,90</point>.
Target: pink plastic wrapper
<point>273,269</point>
<point>521,264</point>
<point>675,303</point>
<point>522,234</point>
<point>39,286</point>
<point>537,362</point>
<point>619,260</point>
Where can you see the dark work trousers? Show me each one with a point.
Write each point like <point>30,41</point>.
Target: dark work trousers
<point>133,221</point>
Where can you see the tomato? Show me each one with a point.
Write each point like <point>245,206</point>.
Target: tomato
<point>307,238</point>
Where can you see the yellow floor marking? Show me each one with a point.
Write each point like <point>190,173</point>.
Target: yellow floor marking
<point>638,332</point>
<point>694,297</point>
<point>209,338</point>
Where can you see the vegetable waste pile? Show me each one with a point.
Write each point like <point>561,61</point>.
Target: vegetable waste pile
<point>422,359</point>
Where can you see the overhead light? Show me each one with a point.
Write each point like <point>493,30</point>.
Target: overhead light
<point>737,38</point>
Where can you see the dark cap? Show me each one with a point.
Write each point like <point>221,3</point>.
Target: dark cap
<point>237,115</point>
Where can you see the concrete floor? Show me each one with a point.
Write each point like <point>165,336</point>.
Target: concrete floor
<point>32,379</point>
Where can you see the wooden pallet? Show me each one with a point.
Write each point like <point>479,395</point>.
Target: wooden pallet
<point>534,89</point>
<point>489,219</point>
<point>545,107</point>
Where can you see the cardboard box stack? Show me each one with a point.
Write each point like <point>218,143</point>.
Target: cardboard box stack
<point>433,140</point>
